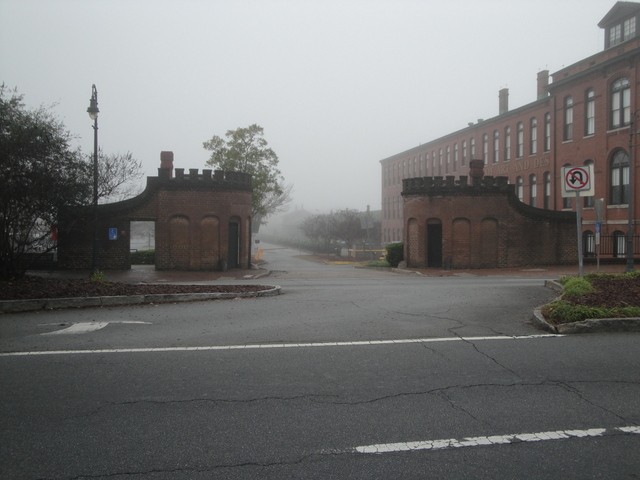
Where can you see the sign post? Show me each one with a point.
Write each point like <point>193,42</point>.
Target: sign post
<point>578,182</point>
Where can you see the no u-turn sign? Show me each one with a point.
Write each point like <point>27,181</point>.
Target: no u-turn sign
<point>577,181</point>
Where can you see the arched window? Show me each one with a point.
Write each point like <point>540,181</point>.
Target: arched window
<point>588,243</point>
<point>590,112</point>
<point>464,152</point>
<point>589,202</point>
<point>507,143</point>
<point>620,103</point>
<point>619,244</point>
<point>619,179</point>
<point>566,201</point>
<point>547,132</point>
<point>448,159</point>
<point>496,146</point>
<point>568,119</point>
<point>533,136</point>
<point>533,190</point>
<point>455,157</point>
<point>485,148</point>
<point>547,190</point>
<point>473,148</point>
<point>519,188</point>
<point>520,140</point>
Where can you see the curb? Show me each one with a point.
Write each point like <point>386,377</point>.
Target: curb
<point>16,306</point>
<point>592,325</point>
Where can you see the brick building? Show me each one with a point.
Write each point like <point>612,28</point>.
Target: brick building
<point>202,222</point>
<point>583,114</point>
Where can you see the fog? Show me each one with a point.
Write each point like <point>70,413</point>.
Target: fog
<point>337,85</point>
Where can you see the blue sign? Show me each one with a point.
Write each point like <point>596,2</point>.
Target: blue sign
<point>598,227</point>
<point>113,233</point>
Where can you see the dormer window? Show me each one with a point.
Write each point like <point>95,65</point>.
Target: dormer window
<point>622,32</point>
<point>620,23</point>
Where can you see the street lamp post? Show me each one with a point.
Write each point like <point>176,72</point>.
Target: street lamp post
<point>93,114</point>
<point>630,209</point>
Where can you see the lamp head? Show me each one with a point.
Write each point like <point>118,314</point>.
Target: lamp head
<point>93,109</point>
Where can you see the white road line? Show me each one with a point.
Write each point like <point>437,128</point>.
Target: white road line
<point>447,443</point>
<point>275,345</point>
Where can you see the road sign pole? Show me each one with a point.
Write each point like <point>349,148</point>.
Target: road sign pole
<point>579,229</point>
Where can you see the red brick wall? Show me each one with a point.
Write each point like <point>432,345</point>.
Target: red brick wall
<point>191,213</point>
<point>484,226</point>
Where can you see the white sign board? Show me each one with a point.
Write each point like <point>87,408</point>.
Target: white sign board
<point>578,181</point>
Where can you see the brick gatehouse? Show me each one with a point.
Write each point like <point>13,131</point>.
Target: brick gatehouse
<point>454,223</point>
<point>202,222</point>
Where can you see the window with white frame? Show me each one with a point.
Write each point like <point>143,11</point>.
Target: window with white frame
<point>590,113</point>
<point>547,190</point>
<point>485,148</point>
<point>533,136</point>
<point>619,179</point>
<point>533,190</point>
<point>547,132</point>
<point>520,188</point>
<point>589,201</point>
<point>620,103</point>
<point>519,140</point>
<point>568,119</point>
<point>496,146</point>
<point>507,144</point>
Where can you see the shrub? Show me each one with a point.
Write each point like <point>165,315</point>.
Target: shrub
<point>395,253</point>
<point>98,277</point>
<point>577,287</point>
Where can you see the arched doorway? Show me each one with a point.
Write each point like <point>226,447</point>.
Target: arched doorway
<point>234,243</point>
<point>434,243</point>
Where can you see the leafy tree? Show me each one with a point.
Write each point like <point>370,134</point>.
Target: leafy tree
<point>246,150</point>
<point>39,175</point>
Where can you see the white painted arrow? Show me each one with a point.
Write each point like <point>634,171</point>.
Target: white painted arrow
<point>82,327</point>
<point>86,327</point>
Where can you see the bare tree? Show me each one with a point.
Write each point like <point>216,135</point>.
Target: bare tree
<point>118,176</point>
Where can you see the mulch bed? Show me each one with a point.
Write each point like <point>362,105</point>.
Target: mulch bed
<point>31,287</point>
<point>613,292</point>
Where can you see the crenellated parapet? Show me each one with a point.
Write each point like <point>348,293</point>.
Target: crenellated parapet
<point>205,178</point>
<point>450,185</point>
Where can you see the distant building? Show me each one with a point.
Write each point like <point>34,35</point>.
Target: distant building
<point>583,114</point>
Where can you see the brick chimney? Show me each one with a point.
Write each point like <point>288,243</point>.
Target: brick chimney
<point>543,84</point>
<point>503,101</point>
<point>166,162</point>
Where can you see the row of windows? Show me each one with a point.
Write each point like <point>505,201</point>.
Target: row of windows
<point>446,160</point>
<point>619,113</point>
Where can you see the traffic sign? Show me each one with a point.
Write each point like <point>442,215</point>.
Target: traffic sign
<point>577,181</point>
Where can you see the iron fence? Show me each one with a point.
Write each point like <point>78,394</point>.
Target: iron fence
<point>613,246</point>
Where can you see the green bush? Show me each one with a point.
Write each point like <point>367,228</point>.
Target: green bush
<point>577,287</point>
<point>395,253</point>
<point>143,257</point>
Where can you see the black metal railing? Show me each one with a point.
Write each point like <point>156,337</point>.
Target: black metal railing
<point>612,246</point>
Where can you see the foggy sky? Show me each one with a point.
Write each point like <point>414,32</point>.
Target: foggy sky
<point>337,85</point>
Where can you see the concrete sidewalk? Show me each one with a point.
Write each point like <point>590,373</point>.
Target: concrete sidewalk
<point>149,274</point>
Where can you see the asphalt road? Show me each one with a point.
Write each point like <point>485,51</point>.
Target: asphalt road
<point>348,374</point>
